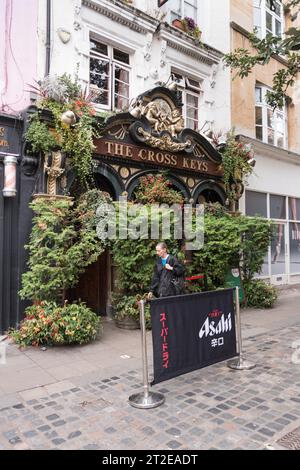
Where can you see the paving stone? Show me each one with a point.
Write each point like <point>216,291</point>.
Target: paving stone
<point>30,433</point>
<point>266,432</point>
<point>44,428</point>
<point>173,445</point>
<point>15,440</point>
<point>58,441</point>
<point>174,431</point>
<point>290,417</point>
<point>110,430</point>
<point>61,422</point>
<point>74,434</point>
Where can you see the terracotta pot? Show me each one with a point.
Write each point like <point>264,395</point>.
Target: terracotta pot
<point>178,24</point>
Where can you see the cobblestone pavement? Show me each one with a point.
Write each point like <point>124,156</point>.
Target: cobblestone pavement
<point>212,408</point>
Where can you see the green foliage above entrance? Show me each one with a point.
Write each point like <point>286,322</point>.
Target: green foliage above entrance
<point>72,125</point>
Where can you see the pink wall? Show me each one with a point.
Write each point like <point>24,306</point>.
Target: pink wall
<point>18,53</point>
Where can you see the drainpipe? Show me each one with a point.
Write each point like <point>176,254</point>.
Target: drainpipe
<point>48,37</point>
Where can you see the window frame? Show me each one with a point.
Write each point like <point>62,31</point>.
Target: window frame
<point>181,13</point>
<point>112,63</point>
<point>187,88</point>
<point>289,223</point>
<point>261,5</point>
<point>266,109</point>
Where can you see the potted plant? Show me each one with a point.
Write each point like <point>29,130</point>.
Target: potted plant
<point>177,23</point>
<point>189,26</point>
<point>126,312</point>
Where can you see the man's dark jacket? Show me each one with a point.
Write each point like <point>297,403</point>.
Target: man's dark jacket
<point>161,284</point>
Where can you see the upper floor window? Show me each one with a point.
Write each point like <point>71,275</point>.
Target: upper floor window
<point>189,91</point>
<point>270,124</point>
<point>268,17</point>
<point>182,8</point>
<point>109,76</point>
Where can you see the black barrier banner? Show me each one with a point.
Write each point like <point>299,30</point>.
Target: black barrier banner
<point>192,331</point>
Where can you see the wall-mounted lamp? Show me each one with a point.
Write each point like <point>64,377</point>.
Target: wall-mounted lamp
<point>10,176</point>
<point>171,83</point>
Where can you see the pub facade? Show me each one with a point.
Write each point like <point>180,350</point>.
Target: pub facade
<point>118,50</point>
<point>150,139</point>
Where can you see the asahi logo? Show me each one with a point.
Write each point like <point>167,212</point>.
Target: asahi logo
<point>214,327</point>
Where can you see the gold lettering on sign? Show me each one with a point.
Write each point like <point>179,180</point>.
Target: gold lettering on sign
<point>174,160</point>
<point>109,147</point>
<point>119,149</point>
<point>142,155</point>
<point>151,155</point>
<point>154,156</point>
<point>128,151</point>
<point>185,163</point>
<point>160,157</point>
<point>3,142</point>
<point>193,165</point>
<point>168,159</point>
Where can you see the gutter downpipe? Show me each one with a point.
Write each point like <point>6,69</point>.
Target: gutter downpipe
<point>48,38</point>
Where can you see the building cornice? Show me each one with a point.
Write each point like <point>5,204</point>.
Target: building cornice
<point>181,42</point>
<point>236,27</point>
<point>267,150</point>
<point>124,14</point>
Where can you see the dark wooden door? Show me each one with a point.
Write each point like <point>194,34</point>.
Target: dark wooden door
<point>93,285</point>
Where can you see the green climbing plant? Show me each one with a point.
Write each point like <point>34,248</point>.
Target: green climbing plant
<point>59,95</point>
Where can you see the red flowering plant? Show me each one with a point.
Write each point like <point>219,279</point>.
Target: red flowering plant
<point>156,189</point>
<point>72,126</point>
<point>50,324</point>
<point>83,104</point>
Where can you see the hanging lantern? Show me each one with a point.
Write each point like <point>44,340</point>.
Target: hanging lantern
<point>10,176</point>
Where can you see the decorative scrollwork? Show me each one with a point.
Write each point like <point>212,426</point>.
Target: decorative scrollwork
<point>163,142</point>
<point>162,118</point>
<point>54,171</point>
<point>119,134</point>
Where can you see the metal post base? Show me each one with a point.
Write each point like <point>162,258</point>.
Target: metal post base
<point>140,400</point>
<point>240,364</point>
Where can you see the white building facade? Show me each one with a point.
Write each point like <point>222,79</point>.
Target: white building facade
<point>127,48</point>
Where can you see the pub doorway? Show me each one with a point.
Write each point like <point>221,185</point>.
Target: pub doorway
<point>94,287</point>
<point>209,196</point>
<point>96,283</point>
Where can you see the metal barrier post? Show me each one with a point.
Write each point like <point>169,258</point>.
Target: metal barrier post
<point>145,399</point>
<point>240,363</point>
